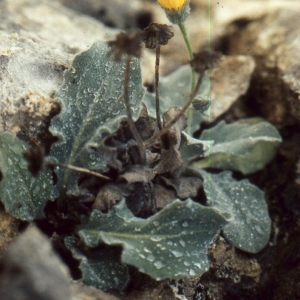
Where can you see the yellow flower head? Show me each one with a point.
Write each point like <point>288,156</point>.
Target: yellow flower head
<point>176,10</point>
<point>172,4</point>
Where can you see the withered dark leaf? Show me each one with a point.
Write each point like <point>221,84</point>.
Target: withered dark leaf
<point>141,201</point>
<point>185,187</point>
<point>163,196</point>
<point>137,173</point>
<point>136,186</point>
<point>115,153</point>
<point>146,127</point>
<point>133,152</point>
<point>174,133</point>
<point>144,111</point>
<point>152,158</point>
<point>170,161</point>
<point>109,195</point>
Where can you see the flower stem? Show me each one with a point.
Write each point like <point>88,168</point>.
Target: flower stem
<point>187,41</point>
<point>158,120</point>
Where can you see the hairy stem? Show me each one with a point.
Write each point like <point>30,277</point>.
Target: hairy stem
<point>77,169</point>
<point>131,124</point>
<point>157,87</point>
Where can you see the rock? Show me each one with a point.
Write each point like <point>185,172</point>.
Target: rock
<point>273,41</point>
<point>33,57</point>
<point>114,13</point>
<point>229,80</point>
<point>28,70</point>
<point>31,270</point>
<point>49,24</point>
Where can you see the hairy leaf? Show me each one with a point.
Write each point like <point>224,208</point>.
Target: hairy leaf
<point>175,90</point>
<point>192,148</point>
<point>245,208</point>
<point>171,244</point>
<point>23,195</point>
<point>100,267</point>
<point>91,100</point>
<point>245,146</point>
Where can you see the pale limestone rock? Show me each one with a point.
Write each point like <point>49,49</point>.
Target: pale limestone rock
<point>38,41</point>
<point>229,80</point>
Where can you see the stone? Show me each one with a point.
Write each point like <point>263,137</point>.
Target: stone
<point>33,57</point>
<point>31,270</point>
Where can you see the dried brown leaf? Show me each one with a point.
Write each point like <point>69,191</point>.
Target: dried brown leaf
<point>137,173</point>
<point>108,196</point>
<point>174,133</point>
<point>113,154</point>
<point>163,196</point>
<point>171,161</point>
<point>185,187</point>
<point>152,158</point>
<point>141,200</point>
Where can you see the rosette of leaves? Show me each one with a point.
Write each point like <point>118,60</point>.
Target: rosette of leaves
<point>171,243</point>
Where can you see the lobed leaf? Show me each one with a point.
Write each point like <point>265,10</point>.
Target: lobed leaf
<point>244,207</point>
<point>100,268</point>
<point>23,195</point>
<point>245,146</point>
<point>91,100</point>
<point>171,244</point>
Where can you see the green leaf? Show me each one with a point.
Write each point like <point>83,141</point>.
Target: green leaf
<point>245,146</point>
<point>23,195</point>
<point>245,208</point>
<point>91,100</point>
<point>101,267</point>
<point>192,148</point>
<point>175,90</point>
<point>171,244</point>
